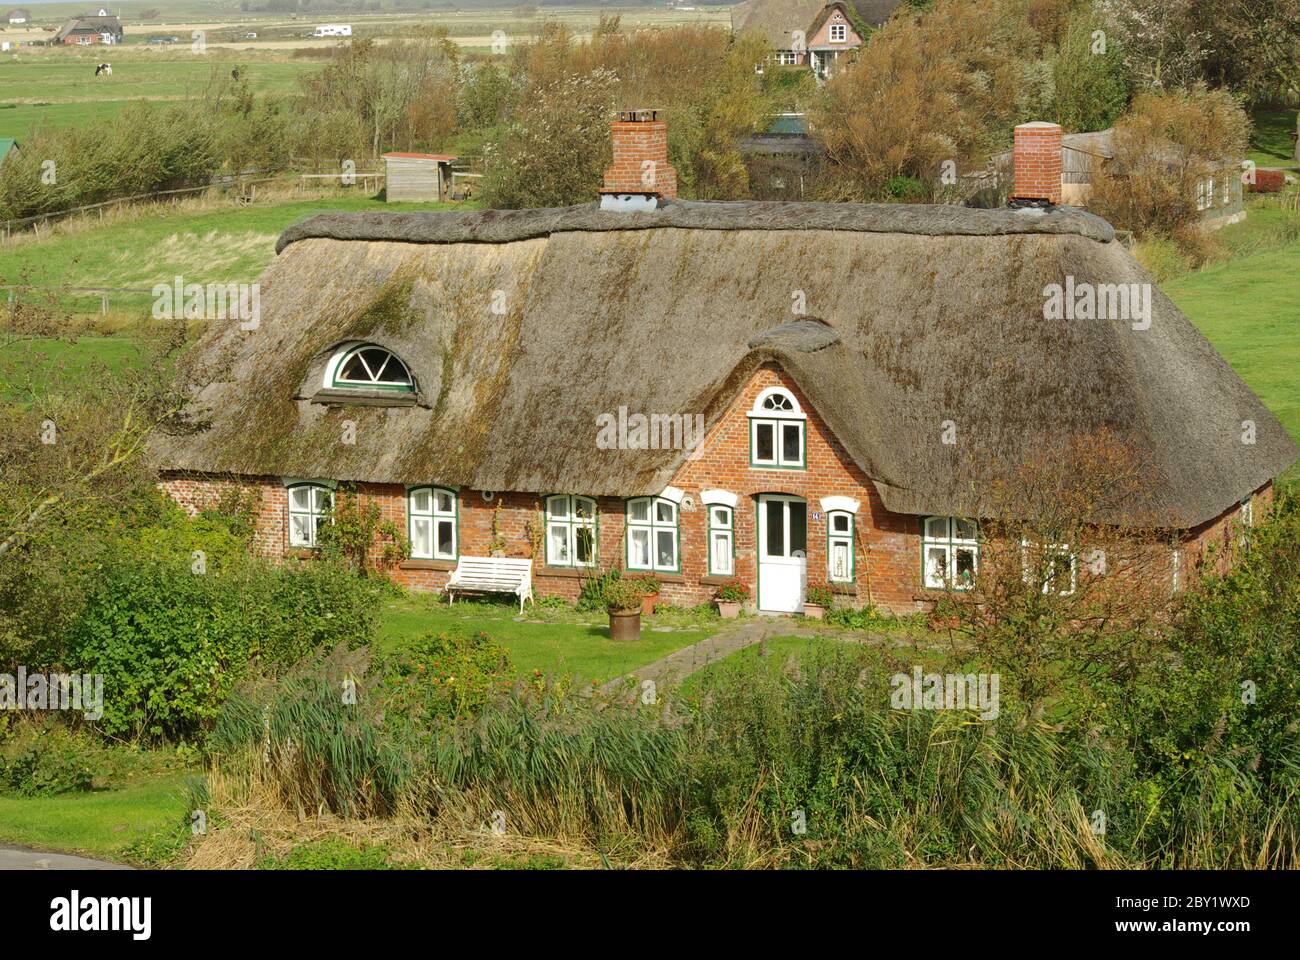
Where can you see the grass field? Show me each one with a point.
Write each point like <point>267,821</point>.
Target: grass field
<point>554,641</point>
<point>101,823</point>
<point>1270,139</point>
<point>222,244</point>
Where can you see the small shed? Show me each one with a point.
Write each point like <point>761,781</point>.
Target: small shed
<point>417,176</point>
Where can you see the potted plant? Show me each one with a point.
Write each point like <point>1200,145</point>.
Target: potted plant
<point>819,599</point>
<point>623,604</point>
<point>649,586</point>
<point>730,596</point>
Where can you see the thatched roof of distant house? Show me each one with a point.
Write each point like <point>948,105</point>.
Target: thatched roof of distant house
<point>777,19</point>
<point>916,315</point>
<point>92,24</point>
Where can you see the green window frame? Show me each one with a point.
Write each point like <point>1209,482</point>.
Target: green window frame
<point>949,553</point>
<point>722,540</point>
<point>368,366</point>
<point>310,505</point>
<point>433,523</point>
<point>778,434</point>
<point>653,534</point>
<point>840,561</point>
<point>572,531</point>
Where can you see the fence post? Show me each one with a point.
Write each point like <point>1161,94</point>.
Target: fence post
<point>103,304</point>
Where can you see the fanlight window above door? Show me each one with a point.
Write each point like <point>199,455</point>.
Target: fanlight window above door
<point>366,366</point>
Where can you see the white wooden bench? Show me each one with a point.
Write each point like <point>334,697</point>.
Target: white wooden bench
<point>492,575</point>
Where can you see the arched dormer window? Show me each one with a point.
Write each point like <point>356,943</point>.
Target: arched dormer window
<point>366,366</point>
<point>776,431</point>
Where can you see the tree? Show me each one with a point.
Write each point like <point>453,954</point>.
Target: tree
<point>1163,42</point>
<point>921,93</point>
<point>1264,37</point>
<point>1090,83</point>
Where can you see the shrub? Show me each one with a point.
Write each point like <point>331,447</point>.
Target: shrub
<point>172,643</point>
<point>1267,181</point>
<point>592,595</point>
<point>647,583</point>
<point>733,591</point>
<point>47,758</point>
<point>623,596</point>
<point>446,676</point>
<point>821,596</point>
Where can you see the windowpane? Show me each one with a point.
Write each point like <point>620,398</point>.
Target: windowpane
<point>446,538</point>
<point>765,442</point>
<point>558,507</point>
<point>300,498</point>
<point>584,540</point>
<point>664,510</point>
<point>421,501</point>
<point>640,555</point>
<point>720,517</point>
<point>638,511</point>
<point>583,508</point>
<point>965,530</point>
<point>721,552</point>
<point>841,567</point>
<point>300,530</point>
<point>353,369</point>
<point>559,540</point>
<point>937,528</point>
<point>446,502</point>
<point>320,499</point>
<point>665,549</point>
<point>798,528</point>
<point>421,538</point>
<point>936,566</point>
<point>965,572</point>
<point>840,522</point>
<point>791,434</point>
<point>775,528</point>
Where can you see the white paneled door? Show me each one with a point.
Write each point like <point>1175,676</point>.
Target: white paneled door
<point>782,553</point>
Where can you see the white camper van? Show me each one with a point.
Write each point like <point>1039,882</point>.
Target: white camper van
<point>333,30</point>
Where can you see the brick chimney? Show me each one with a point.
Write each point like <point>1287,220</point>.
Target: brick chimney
<point>640,173</point>
<point>1036,159</point>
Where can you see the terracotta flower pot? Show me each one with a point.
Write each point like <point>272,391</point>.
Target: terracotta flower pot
<point>814,611</point>
<point>648,604</point>
<point>730,609</point>
<point>625,626</point>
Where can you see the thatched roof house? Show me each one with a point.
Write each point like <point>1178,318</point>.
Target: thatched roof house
<point>935,313</point>
<point>860,376</point>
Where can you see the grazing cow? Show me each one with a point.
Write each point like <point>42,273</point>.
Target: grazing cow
<point>104,70</point>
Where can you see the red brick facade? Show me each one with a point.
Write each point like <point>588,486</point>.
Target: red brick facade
<point>887,546</point>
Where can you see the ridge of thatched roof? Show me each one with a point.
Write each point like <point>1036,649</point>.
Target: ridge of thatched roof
<point>510,226</point>
<point>522,327</point>
<point>776,20</point>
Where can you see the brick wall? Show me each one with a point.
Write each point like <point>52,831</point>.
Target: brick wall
<point>887,546</point>
<point>640,161</point>
<point>1036,157</point>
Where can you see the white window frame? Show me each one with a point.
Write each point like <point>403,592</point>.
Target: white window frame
<point>778,420</point>
<point>313,512</point>
<point>1059,549</point>
<point>722,528</point>
<point>839,32</point>
<point>652,527</point>
<point>571,524</point>
<point>836,538</point>
<point>434,516</point>
<point>941,533</point>
<point>333,369</point>
<point>1246,508</point>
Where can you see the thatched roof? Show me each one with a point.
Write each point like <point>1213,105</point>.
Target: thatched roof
<point>916,315</point>
<point>776,19</point>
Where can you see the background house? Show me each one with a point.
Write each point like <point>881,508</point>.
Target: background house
<point>96,28</point>
<point>1083,155</point>
<point>807,33</point>
<point>19,15</point>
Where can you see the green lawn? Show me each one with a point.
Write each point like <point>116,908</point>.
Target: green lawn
<point>1270,139</point>
<point>555,641</point>
<point>102,823</point>
<point>1249,308</point>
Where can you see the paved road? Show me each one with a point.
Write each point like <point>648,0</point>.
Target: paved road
<point>17,858</point>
